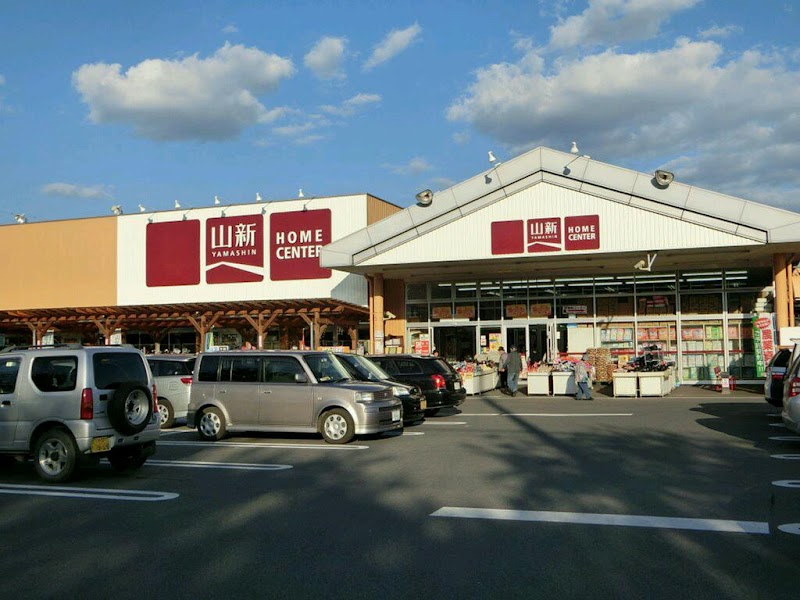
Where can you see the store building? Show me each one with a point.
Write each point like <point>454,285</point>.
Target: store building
<point>188,279</point>
<point>558,253</point>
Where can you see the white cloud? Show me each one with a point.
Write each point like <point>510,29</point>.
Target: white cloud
<point>736,120</point>
<point>461,137</point>
<point>415,166</point>
<point>352,105</point>
<point>192,98</point>
<point>325,58</point>
<point>71,190</point>
<point>716,31</point>
<point>393,44</point>
<point>615,21</point>
<point>2,80</point>
<point>230,28</point>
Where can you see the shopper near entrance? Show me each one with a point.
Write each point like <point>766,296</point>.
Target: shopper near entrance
<point>513,369</point>
<point>501,369</point>
<point>582,370</point>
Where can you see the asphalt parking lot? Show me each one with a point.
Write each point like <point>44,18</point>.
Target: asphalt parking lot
<point>692,495</point>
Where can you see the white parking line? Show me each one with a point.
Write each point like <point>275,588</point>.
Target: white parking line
<point>756,527</point>
<point>264,445</point>
<point>786,456</point>
<point>777,425</point>
<point>480,414</point>
<point>788,483</point>
<point>427,422</point>
<point>568,415</point>
<point>95,493</point>
<point>217,465</point>
<point>786,438</point>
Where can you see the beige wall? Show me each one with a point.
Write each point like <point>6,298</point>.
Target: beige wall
<point>59,264</point>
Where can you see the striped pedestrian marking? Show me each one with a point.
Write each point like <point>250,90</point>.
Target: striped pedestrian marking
<point>216,465</point>
<point>92,493</point>
<point>717,525</point>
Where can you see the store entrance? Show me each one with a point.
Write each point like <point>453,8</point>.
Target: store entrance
<point>537,351</point>
<point>517,336</point>
<point>455,343</point>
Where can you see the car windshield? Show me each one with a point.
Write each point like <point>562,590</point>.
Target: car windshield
<point>363,368</point>
<point>327,368</point>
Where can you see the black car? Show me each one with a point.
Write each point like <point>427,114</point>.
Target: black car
<point>440,382</point>
<point>775,372</point>
<point>411,396</point>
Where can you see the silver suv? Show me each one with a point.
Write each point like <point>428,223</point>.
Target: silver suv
<point>287,391</point>
<point>59,404</point>
<point>173,377</point>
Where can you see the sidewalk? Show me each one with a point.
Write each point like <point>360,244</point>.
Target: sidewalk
<point>605,391</point>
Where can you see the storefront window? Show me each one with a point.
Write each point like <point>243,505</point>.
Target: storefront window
<point>751,278</point>
<point>618,338</point>
<point>744,302</point>
<point>441,291</point>
<point>516,308</point>
<point>662,335</point>
<point>701,346</point>
<point>466,290</point>
<point>700,280</point>
<point>701,304</point>
<point>615,306</point>
<point>417,291</point>
<point>455,343</point>
<point>741,350</point>
<point>575,307</point>
<point>656,284</point>
<point>419,341</point>
<point>416,313</point>
<point>490,290</point>
<point>491,339</point>
<point>441,311</point>
<point>466,310</point>
<point>541,308</point>
<point>490,310</point>
<point>655,304</point>
<point>515,290</point>
<point>577,286</point>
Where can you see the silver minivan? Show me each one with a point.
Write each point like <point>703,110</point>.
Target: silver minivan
<point>173,376</point>
<point>286,391</point>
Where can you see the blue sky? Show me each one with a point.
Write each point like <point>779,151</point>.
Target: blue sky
<point>123,103</point>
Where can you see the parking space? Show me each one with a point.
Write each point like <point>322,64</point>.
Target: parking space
<point>497,498</point>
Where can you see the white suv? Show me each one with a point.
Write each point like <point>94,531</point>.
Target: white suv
<point>59,404</point>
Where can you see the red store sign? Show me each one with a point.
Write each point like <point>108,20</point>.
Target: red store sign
<point>546,235</point>
<point>296,239</point>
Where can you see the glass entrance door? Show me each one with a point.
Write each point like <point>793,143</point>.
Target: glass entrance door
<point>455,343</point>
<point>538,335</point>
<point>517,336</point>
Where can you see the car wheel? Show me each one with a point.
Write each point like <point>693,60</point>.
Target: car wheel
<point>337,426</point>
<point>211,425</point>
<point>55,456</point>
<point>126,459</point>
<point>166,413</point>
<point>431,412</point>
<point>131,408</point>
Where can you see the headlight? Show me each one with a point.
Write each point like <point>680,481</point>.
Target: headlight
<point>400,391</point>
<point>365,397</point>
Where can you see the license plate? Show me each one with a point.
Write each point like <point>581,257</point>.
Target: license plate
<point>396,414</point>
<point>423,404</point>
<point>457,385</point>
<point>101,444</point>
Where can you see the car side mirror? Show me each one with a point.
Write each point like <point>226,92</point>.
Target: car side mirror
<point>300,378</point>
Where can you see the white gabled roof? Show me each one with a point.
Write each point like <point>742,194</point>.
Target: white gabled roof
<point>759,223</point>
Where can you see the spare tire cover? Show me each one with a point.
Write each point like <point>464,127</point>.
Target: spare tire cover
<point>131,407</point>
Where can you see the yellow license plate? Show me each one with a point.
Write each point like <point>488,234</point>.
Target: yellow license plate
<point>423,404</point>
<point>101,444</point>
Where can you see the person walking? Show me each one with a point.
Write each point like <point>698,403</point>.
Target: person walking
<point>582,369</point>
<point>513,369</point>
<point>501,368</point>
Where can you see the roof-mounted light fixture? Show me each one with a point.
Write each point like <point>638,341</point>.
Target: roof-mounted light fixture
<point>259,198</point>
<point>216,201</point>
<point>425,198</point>
<point>116,209</point>
<point>662,179</point>
<point>21,218</point>
<point>177,204</point>
<point>142,208</point>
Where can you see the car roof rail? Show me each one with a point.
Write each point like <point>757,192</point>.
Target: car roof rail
<point>71,346</point>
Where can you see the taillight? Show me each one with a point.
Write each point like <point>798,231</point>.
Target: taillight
<point>777,376</point>
<point>438,382</point>
<point>155,399</point>
<point>186,380</point>
<point>87,404</point>
<point>794,389</point>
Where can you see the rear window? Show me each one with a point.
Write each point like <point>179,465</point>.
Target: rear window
<point>171,368</point>
<point>386,364</point>
<point>408,366</point>
<point>439,365</point>
<point>113,368</point>
<point>781,359</point>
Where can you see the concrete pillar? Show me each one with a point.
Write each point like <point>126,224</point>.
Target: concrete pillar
<point>781,291</point>
<point>377,313</point>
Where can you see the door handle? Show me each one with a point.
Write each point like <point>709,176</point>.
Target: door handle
<point>6,403</point>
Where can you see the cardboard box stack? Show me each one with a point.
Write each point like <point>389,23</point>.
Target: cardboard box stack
<point>600,358</point>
